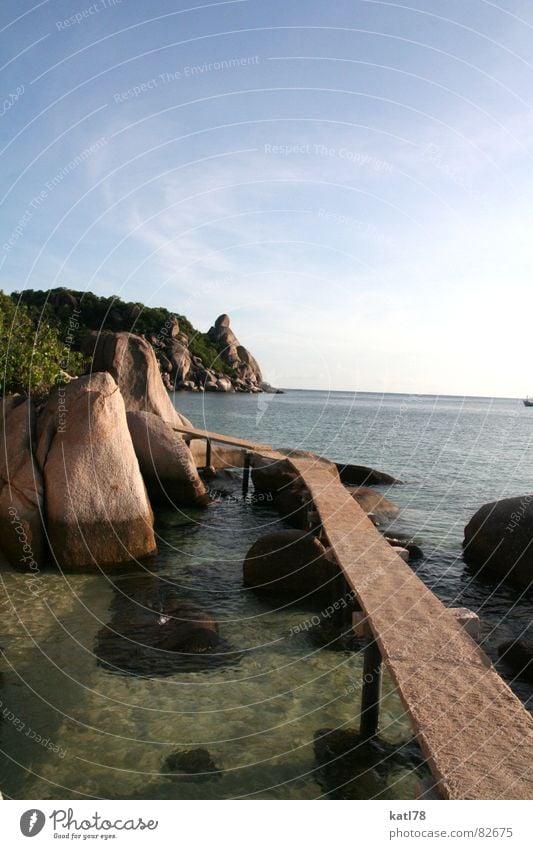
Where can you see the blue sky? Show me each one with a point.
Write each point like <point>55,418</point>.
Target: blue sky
<point>350,181</point>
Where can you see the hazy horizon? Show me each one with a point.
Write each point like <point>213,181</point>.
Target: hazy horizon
<point>350,182</point>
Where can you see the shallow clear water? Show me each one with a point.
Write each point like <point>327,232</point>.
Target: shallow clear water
<point>453,454</point>
<point>107,735</point>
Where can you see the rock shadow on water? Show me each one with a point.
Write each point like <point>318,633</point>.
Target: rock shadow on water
<point>351,767</point>
<point>155,631</point>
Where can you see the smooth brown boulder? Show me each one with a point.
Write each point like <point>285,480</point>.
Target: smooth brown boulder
<point>271,476</point>
<point>294,504</point>
<point>364,476</point>
<point>291,563</point>
<point>374,503</point>
<point>131,361</point>
<point>518,655</point>
<point>498,540</point>
<point>96,504</point>
<point>275,476</point>
<point>166,462</point>
<point>21,486</point>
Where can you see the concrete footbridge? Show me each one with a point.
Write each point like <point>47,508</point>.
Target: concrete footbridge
<point>475,733</point>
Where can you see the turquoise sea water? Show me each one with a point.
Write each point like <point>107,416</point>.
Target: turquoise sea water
<point>70,728</point>
<point>453,454</point>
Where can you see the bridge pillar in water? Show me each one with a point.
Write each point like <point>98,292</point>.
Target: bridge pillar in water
<point>371,690</point>
<point>246,475</point>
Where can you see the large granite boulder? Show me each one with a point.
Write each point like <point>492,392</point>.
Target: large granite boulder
<point>166,462</point>
<point>96,504</point>
<point>132,363</point>
<point>235,354</point>
<point>21,486</point>
<point>290,563</point>
<point>498,540</point>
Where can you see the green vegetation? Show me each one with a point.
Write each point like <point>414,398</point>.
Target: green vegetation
<point>34,355</point>
<point>55,307</point>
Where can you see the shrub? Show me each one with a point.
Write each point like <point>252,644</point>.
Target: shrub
<point>33,354</point>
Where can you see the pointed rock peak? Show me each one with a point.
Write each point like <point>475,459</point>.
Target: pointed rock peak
<point>222,321</point>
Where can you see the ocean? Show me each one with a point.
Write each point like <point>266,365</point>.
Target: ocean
<point>74,729</point>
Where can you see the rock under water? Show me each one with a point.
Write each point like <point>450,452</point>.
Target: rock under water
<point>155,631</point>
<point>191,763</point>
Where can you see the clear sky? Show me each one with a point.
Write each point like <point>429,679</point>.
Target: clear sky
<point>350,180</point>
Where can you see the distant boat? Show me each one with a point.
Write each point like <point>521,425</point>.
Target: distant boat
<point>528,402</point>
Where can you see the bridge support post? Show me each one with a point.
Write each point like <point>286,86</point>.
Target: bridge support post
<point>207,453</point>
<point>246,475</point>
<point>371,691</point>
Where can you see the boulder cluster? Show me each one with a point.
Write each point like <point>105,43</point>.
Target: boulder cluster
<point>181,370</point>
<point>78,476</point>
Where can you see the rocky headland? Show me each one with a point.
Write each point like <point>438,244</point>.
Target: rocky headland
<point>187,358</point>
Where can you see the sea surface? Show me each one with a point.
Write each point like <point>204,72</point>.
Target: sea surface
<point>71,728</point>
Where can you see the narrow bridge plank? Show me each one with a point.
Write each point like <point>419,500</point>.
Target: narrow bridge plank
<point>475,733</point>
<point>198,433</point>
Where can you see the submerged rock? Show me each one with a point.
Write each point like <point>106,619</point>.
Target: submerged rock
<point>96,503</point>
<point>290,563</point>
<point>154,631</point>
<point>191,763</point>
<point>497,540</point>
<point>335,633</point>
